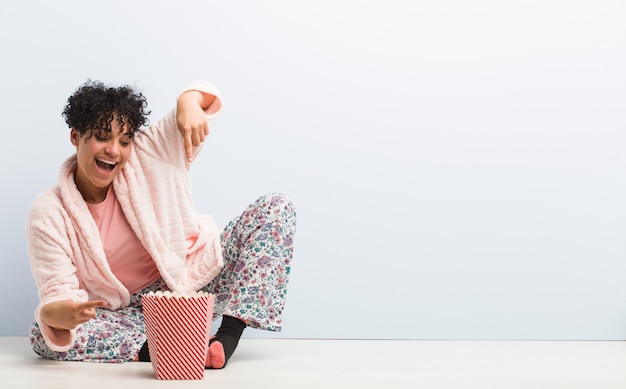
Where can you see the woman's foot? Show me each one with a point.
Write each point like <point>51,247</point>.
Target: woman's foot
<point>223,344</point>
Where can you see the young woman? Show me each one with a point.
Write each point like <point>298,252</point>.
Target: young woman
<point>121,222</point>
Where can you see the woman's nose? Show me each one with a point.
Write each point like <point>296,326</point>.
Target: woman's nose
<point>112,150</point>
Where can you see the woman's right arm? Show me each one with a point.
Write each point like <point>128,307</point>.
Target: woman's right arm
<point>49,247</point>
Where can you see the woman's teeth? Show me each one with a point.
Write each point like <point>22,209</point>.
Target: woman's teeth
<point>106,165</point>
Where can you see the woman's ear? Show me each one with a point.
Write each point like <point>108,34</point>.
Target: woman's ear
<point>74,137</point>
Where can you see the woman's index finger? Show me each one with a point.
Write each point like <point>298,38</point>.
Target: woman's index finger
<point>93,304</point>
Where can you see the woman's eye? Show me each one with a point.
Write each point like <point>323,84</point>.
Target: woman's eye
<point>102,138</point>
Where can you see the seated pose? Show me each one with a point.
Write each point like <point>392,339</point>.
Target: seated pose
<point>121,223</point>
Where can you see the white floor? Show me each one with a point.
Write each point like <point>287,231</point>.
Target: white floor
<point>326,364</point>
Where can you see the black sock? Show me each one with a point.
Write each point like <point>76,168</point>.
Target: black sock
<point>144,354</point>
<point>228,335</point>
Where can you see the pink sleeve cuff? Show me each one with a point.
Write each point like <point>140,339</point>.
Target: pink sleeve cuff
<point>210,89</point>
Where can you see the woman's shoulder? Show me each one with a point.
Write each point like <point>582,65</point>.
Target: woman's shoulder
<point>48,202</point>
<point>159,144</point>
<point>47,217</point>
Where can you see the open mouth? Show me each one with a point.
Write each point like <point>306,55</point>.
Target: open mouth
<point>105,165</point>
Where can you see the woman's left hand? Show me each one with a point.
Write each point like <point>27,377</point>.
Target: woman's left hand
<point>191,119</point>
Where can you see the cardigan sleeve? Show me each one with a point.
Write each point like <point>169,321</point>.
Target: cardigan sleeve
<point>51,266</point>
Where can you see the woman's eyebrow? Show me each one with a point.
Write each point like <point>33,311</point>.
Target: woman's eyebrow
<point>125,133</point>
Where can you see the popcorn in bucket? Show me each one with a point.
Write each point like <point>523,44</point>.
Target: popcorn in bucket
<point>177,327</point>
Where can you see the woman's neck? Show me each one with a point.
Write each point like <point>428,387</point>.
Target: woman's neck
<point>91,195</point>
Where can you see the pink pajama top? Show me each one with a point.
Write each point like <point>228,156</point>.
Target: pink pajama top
<point>129,261</point>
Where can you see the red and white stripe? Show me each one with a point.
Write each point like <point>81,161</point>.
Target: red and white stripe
<point>178,332</point>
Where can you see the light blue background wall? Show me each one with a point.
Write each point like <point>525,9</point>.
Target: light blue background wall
<point>458,166</point>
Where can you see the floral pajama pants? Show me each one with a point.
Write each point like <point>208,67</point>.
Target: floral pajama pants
<point>257,247</point>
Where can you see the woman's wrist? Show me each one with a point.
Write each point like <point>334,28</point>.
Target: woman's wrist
<point>204,100</point>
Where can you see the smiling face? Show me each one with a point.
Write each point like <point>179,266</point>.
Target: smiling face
<point>101,155</point>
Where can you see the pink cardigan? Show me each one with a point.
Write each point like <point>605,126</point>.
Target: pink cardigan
<point>66,254</point>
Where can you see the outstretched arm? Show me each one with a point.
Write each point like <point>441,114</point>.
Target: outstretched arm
<point>191,118</point>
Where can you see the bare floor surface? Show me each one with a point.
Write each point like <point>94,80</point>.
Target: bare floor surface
<point>326,364</point>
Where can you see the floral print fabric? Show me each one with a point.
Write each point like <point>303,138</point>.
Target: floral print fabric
<point>257,247</point>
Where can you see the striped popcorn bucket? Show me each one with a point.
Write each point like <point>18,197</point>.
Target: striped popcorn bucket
<point>177,327</point>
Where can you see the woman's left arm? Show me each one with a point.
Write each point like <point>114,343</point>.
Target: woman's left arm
<point>191,118</point>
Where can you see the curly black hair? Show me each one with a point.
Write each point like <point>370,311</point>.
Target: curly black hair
<point>94,106</point>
